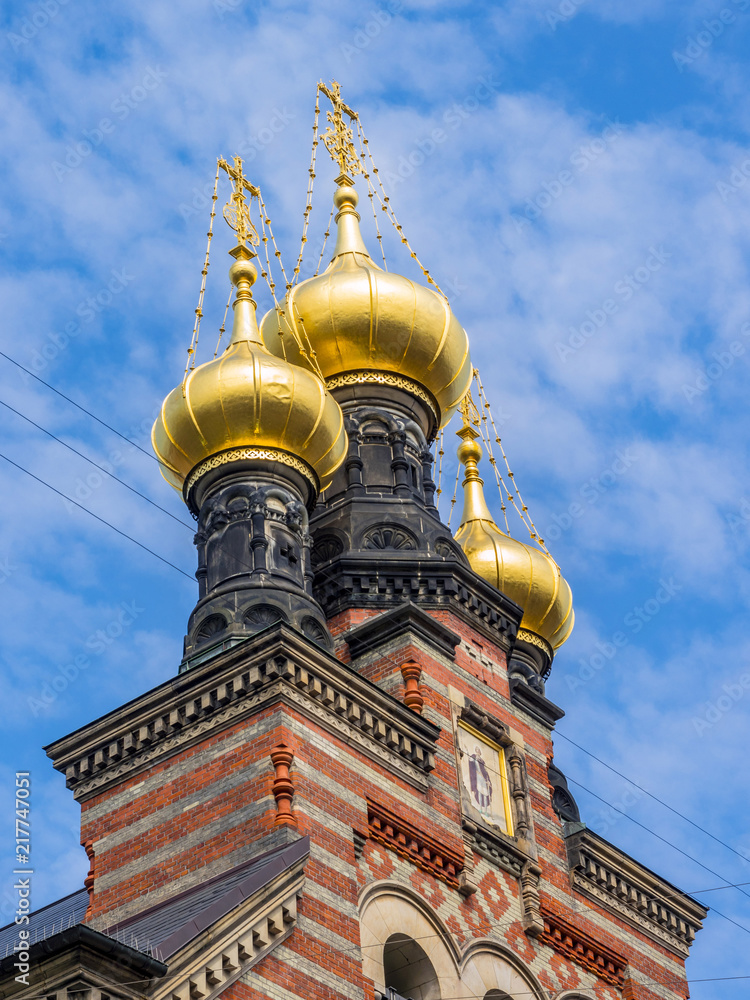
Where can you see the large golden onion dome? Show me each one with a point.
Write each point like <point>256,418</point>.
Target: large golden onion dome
<point>366,325</point>
<point>248,404</point>
<point>522,572</point>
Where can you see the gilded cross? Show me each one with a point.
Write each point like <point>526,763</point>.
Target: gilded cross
<point>236,211</point>
<point>338,137</point>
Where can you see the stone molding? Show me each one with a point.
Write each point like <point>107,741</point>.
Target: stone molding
<point>397,834</point>
<point>500,851</point>
<point>582,948</point>
<point>484,723</point>
<point>407,621</point>
<point>535,704</point>
<point>277,666</point>
<point>353,580</point>
<point>220,955</point>
<point>625,888</point>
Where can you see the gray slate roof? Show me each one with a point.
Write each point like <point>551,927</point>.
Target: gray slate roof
<point>166,927</point>
<point>49,920</point>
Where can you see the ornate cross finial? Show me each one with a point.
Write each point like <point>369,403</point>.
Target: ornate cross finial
<point>469,411</point>
<point>338,137</point>
<point>236,211</point>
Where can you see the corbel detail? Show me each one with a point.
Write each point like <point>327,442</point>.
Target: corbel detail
<point>533,923</point>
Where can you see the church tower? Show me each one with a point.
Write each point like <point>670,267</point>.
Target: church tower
<point>347,789</point>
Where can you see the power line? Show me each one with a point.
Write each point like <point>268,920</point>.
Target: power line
<point>78,406</point>
<point>675,848</point>
<point>173,566</point>
<point>101,519</point>
<point>654,797</point>
<point>95,464</point>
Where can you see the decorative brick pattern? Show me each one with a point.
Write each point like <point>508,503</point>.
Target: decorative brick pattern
<point>582,948</point>
<point>406,840</point>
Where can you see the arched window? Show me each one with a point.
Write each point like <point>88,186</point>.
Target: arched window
<point>408,970</point>
<point>496,995</point>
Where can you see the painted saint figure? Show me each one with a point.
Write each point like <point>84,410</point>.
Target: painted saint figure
<point>479,777</point>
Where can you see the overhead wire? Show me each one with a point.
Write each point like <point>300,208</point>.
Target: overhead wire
<point>654,797</point>
<point>96,465</point>
<point>78,406</point>
<point>96,516</point>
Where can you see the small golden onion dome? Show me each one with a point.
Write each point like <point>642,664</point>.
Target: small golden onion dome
<point>367,325</point>
<point>248,404</point>
<point>524,573</point>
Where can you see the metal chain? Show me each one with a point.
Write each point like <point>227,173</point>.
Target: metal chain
<point>385,204</point>
<point>223,326</point>
<point>326,234</point>
<point>371,195</point>
<point>190,363</point>
<point>310,185</point>
<point>522,511</point>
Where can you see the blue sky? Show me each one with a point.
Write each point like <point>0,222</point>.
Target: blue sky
<point>588,211</point>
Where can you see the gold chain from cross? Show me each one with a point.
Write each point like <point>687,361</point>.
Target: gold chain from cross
<point>236,211</point>
<point>338,137</point>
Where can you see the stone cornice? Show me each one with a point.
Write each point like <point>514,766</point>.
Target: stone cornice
<point>406,620</point>
<point>621,885</point>
<point>380,579</point>
<point>279,665</point>
<point>484,723</point>
<point>503,851</point>
<point>533,703</point>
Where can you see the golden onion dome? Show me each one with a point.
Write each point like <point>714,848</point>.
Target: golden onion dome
<point>526,574</point>
<point>248,404</point>
<point>364,325</point>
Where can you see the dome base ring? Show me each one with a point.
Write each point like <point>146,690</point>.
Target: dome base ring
<point>246,454</point>
<point>369,377</point>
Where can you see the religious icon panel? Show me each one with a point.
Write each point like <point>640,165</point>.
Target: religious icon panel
<point>483,778</point>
